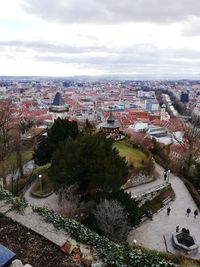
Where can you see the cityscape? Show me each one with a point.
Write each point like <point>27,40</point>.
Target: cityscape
<point>99,133</point>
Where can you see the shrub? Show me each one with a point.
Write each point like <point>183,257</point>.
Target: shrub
<point>129,204</point>
<point>112,220</point>
<point>16,203</point>
<point>195,195</point>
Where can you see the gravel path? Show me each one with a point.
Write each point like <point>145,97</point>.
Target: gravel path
<point>150,233</point>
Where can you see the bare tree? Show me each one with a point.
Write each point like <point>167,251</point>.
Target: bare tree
<point>13,176</point>
<point>17,149</point>
<point>112,220</point>
<point>191,143</point>
<point>5,137</point>
<point>68,200</point>
<point>192,136</point>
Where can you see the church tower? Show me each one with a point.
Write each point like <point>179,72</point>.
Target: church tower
<point>58,107</point>
<point>163,112</point>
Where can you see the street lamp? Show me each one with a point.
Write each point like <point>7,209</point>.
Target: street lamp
<point>40,182</point>
<point>168,172</point>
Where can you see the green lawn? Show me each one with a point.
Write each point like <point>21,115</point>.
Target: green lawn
<point>11,161</point>
<point>132,155</point>
<point>41,169</point>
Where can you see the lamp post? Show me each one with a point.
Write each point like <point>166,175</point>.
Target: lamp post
<point>40,182</point>
<point>168,172</point>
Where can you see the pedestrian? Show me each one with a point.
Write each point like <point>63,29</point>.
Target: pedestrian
<point>195,213</point>
<point>188,211</point>
<point>165,176</point>
<point>177,228</point>
<point>168,211</point>
<point>150,214</point>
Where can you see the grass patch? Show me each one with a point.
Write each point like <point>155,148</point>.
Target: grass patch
<point>133,156</point>
<point>17,185</point>
<point>11,163</point>
<point>41,169</point>
<point>27,156</point>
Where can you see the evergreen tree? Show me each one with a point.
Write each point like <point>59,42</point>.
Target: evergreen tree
<point>88,128</point>
<point>91,161</point>
<point>60,131</point>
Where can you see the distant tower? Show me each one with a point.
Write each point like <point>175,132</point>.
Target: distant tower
<point>111,126</point>
<point>184,97</point>
<point>58,107</point>
<point>163,112</point>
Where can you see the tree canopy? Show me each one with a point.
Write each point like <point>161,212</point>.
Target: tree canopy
<point>25,125</point>
<point>89,160</point>
<point>60,131</point>
<point>88,127</point>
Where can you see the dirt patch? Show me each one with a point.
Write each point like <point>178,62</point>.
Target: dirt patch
<point>32,248</point>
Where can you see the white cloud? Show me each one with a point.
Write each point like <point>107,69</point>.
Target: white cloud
<point>69,37</point>
<point>112,11</point>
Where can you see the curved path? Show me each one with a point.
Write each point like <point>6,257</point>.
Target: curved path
<point>150,233</point>
<point>50,202</point>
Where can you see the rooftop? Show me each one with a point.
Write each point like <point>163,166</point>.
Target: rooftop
<point>58,100</point>
<point>110,123</point>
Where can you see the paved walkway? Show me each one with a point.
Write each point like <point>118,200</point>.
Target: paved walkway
<point>150,233</point>
<point>51,202</point>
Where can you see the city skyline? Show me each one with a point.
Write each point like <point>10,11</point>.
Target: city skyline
<point>140,39</point>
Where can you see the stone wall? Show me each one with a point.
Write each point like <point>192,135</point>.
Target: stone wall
<point>150,194</point>
<point>138,179</point>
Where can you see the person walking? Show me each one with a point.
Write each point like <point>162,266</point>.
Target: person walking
<point>196,213</point>
<point>168,211</point>
<point>188,211</point>
<point>177,228</point>
<point>165,176</point>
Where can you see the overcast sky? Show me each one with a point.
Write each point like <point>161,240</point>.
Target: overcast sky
<point>142,38</point>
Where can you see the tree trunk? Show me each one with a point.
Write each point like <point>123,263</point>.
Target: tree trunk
<point>19,159</point>
<point>4,172</point>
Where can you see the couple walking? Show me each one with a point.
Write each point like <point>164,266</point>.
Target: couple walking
<point>188,211</point>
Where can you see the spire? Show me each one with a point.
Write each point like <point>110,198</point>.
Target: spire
<point>58,100</point>
<point>110,118</point>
